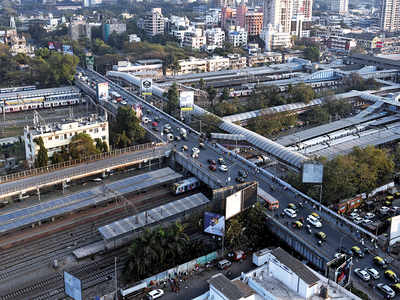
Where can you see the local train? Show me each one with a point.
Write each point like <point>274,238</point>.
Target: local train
<point>185,185</point>
<point>17,89</point>
<point>32,103</point>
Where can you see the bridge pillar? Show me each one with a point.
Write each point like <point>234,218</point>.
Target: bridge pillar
<point>38,193</point>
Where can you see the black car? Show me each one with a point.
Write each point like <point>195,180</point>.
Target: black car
<point>243,173</point>
<point>240,179</point>
<point>345,251</point>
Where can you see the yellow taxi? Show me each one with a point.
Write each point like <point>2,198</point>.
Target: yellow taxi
<point>389,274</point>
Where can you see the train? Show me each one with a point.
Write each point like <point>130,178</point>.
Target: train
<point>41,102</point>
<point>17,89</point>
<point>185,185</point>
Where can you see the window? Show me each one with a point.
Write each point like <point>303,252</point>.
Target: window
<point>57,137</point>
<point>91,130</point>
<point>103,129</point>
<point>84,131</point>
<point>50,138</point>
<point>96,130</point>
<point>65,136</point>
<point>103,137</point>
<point>70,134</point>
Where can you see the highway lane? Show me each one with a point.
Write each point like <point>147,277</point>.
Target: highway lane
<point>336,234</point>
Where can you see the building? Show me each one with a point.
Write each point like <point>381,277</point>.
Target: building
<point>217,63</point>
<point>57,135</point>
<point>336,42</point>
<point>154,22</point>
<point>262,59</point>
<point>194,40</point>
<point>254,23</point>
<point>110,27</point>
<point>241,12</point>
<point>227,17</point>
<point>275,38</point>
<point>151,68</point>
<point>215,37</point>
<point>278,13</point>
<point>192,65</point>
<point>340,6</point>
<point>282,277</point>
<point>78,29</point>
<point>133,38</point>
<point>237,62</point>
<point>390,15</point>
<point>15,41</point>
<point>237,36</point>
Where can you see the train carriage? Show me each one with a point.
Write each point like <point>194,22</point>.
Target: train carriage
<point>185,185</point>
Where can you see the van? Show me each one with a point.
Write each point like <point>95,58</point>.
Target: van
<point>224,264</point>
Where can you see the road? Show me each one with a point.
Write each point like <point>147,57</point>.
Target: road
<point>338,232</point>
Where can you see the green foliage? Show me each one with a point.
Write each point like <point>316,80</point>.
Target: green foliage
<point>225,108</point>
<point>126,129</point>
<point>324,113</point>
<point>225,94</point>
<point>356,82</point>
<point>301,93</point>
<point>172,107</point>
<point>212,93</point>
<point>348,175</point>
<point>312,53</point>
<point>82,145</point>
<point>42,157</point>
<point>273,124</point>
<point>160,249</point>
<point>101,145</point>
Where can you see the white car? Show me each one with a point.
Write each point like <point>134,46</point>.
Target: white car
<point>124,102</point>
<point>338,254</point>
<point>364,275</point>
<point>384,210</point>
<point>195,150</point>
<point>168,126</point>
<point>369,216</point>
<point>314,221</point>
<point>374,273</point>
<point>358,220</point>
<point>155,294</point>
<point>354,215</point>
<point>146,120</point>
<point>290,212</point>
<point>223,168</point>
<point>367,221</point>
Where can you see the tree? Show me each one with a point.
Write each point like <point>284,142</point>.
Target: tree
<point>126,129</point>
<point>82,145</point>
<point>172,107</point>
<point>101,145</point>
<point>42,158</point>
<point>225,94</point>
<point>202,84</point>
<point>301,93</point>
<point>234,234</point>
<point>212,93</point>
<point>312,53</point>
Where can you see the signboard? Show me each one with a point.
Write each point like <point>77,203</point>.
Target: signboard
<point>233,205</point>
<point>102,91</point>
<point>214,223</point>
<point>342,274</point>
<point>146,86</point>
<point>72,286</point>
<point>313,173</point>
<point>67,49</point>
<point>394,230</point>
<point>186,100</point>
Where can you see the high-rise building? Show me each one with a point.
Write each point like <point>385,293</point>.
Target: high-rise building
<point>227,15</point>
<point>154,22</point>
<point>390,15</point>
<point>215,37</point>
<point>340,6</point>
<point>109,28</point>
<point>254,22</point>
<point>278,13</point>
<point>241,12</point>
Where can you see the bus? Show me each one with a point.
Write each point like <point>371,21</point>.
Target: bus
<point>115,96</point>
<point>270,201</point>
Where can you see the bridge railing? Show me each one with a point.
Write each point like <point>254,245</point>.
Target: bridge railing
<point>74,162</point>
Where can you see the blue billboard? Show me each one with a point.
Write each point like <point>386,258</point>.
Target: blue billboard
<point>214,224</point>
<point>72,286</point>
<point>67,49</point>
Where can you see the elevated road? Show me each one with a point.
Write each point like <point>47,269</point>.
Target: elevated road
<point>24,185</point>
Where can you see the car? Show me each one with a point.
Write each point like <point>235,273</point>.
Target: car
<point>239,179</point>
<point>357,251</point>
<point>98,179</point>
<point>379,261</point>
<point>184,148</point>
<point>290,212</point>
<point>124,102</point>
<point>201,145</point>
<point>392,276</point>
<point>195,150</point>
<point>321,235</point>
<point>354,215</point>
<point>396,287</point>
<point>221,160</point>
<point>242,173</point>
<point>297,224</point>
<point>367,221</point>
<point>345,251</point>
<point>212,167</point>
<point>338,255</point>
<point>224,264</point>
<point>384,210</point>
<point>362,274</point>
<point>223,168</point>
<point>374,273</point>
<point>315,215</point>
<point>358,220</point>
<point>369,216</point>
<point>314,221</point>
<point>177,138</point>
<point>155,294</point>
<point>386,290</point>
<point>211,161</point>
<point>292,206</point>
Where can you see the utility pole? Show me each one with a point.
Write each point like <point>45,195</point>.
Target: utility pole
<point>116,279</point>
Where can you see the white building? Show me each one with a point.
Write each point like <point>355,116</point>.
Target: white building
<point>282,277</point>
<point>341,6</point>
<point>194,40</point>
<point>133,38</point>
<point>217,63</point>
<point>275,38</point>
<point>57,135</point>
<point>237,36</point>
<point>215,37</point>
<point>154,22</point>
<point>390,15</point>
<point>192,65</point>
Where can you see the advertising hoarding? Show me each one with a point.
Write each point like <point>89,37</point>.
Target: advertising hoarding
<point>214,223</point>
<point>394,230</point>
<point>312,173</point>
<point>186,100</point>
<point>72,286</point>
<point>233,205</point>
<point>146,86</point>
<point>67,49</point>
<point>102,91</point>
<point>342,274</point>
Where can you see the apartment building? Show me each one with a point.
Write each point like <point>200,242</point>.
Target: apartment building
<point>340,6</point>
<point>217,63</point>
<point>278,13</point>
<point>237,36</point>
<point>192,65</point>
<point>215,37</point>
<point>113,26</point>
<point>194,40</point>
<point>390,15</point>
<point>254,23</point>
<point>153,22</point>
<point>237,62</point>
<point>57,135</point>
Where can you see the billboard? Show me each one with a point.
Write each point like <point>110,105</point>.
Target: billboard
<point>394,230</point>
<point>342,273</point>
<point>186,100</point>
<point>72,286</point>
<point>233,205</point>
<point>312,173</point>
<point>146,86</point>
<point>214,223</point>
<point>102,91</point>
<point>67,49</point>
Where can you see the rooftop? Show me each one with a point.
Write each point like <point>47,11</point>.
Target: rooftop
<point>230,289</point>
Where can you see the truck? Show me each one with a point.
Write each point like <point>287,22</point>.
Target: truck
<point>183,132</point>
<point>270,201</point>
